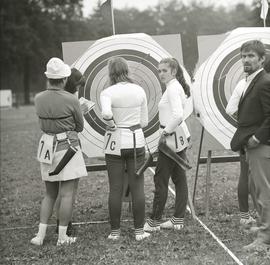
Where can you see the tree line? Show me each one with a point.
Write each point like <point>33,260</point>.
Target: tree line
<point>32,31</point>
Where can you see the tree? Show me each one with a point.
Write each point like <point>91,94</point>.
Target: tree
<point>32,31</point>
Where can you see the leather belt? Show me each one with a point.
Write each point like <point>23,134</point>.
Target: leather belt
<point>133,128</point>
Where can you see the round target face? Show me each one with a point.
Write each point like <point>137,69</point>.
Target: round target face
<point>217,78</point>
<point>143,55</point>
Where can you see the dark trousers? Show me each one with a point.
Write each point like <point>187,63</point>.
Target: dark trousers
<point>165,169</point>
<point>117,167</point>
<point>243,188</point>
<point>259,164</point>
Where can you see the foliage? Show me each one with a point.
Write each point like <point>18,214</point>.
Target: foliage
<point>32,31</point>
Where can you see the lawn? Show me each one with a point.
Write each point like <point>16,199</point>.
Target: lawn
<point>22,190</point>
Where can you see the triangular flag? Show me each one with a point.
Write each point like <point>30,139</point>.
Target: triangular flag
<point>105,7</point>
<point>264,9</point>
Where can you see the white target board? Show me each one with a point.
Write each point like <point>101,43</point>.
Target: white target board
<point>217,77</point>
<point>143,55</point>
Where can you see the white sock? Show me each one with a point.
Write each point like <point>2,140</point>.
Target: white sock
<point>139,231</point>
<point>62,232</point>
<point>42,230</point>
<point>244,215</point>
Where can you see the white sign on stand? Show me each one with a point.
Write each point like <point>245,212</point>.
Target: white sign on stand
<point>5,98</point>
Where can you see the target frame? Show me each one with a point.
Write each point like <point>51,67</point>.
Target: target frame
<point>137,49</point>
<point>216,79</point>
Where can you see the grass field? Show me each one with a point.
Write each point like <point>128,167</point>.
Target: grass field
<point>22,191</point>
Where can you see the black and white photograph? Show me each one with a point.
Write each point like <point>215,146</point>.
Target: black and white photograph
<point>135,132</point>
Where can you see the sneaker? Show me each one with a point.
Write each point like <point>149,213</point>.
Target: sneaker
<point>148,228</point>
<point>257,245</point>
<point>70,229</point>
<point>113,237</point>
<point>38,241</point>
<point>66,241</point>
<point>140,237</point>
<point>247,222</point>
<point>169,225</point>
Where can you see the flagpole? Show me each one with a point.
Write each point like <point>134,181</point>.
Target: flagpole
<point>113,26</point>
<point>264,11</point>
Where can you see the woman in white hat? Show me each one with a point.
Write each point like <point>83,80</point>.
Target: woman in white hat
<point>75,82</point>
<point>60,120</point>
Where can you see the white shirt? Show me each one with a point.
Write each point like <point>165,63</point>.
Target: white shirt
<point>171,107</point>
<point>239,92</point>
<point>126,103</point>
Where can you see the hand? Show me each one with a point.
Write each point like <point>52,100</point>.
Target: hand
<point>252,143</point>
<point>111,128</point>
<point>189,143</point>
<point>162,139</point>
<point>86,105</point>
<point>84,108</point>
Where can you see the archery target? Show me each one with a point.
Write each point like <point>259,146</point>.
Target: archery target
<point>143,55</point>
<point>217,78</point>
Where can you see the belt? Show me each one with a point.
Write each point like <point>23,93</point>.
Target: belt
<point>133,128</point>
<point>55,118</point>
<point>63,138</point>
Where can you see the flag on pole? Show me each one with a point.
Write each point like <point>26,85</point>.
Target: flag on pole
<point>264,9</point>
<point>106,7</point>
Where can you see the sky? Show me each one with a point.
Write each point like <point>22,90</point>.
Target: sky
<point>89,5</point>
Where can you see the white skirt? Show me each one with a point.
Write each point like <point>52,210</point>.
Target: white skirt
<point>74,169</point>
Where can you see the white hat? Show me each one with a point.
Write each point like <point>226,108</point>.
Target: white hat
<point>57,69</point>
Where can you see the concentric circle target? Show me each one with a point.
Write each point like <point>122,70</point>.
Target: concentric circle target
<point>217,78</point>
<point>143,55</point>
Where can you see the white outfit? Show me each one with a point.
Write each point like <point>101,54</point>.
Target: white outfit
<point>126,103</point>
<point>171,113</point>
<point>239,92</point>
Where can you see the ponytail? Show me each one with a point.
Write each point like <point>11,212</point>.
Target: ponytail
<point>174,65</point>
<point>181,79</point>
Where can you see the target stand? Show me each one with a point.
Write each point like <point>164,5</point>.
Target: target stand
<point>215,81</point>
<point>208,160</point>
<point>142,54</point>
<point>126,196</point>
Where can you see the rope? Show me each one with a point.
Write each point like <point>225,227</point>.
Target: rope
<point>208,230</point>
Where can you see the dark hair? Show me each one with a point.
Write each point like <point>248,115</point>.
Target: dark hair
<point>56,82</point>
<point>118,71</point>
<point>174,65</point>
<point>266,65</point>
<point>76,78</point>
<point>254,45</point>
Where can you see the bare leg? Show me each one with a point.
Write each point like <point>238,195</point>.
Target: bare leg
<point>57,203</point>
<point>66,203</point>
<point>46,211</point>
<point>48,201</point>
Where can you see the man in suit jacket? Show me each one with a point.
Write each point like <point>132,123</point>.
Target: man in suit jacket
<point>244,187</point>
<point>253,132</point>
